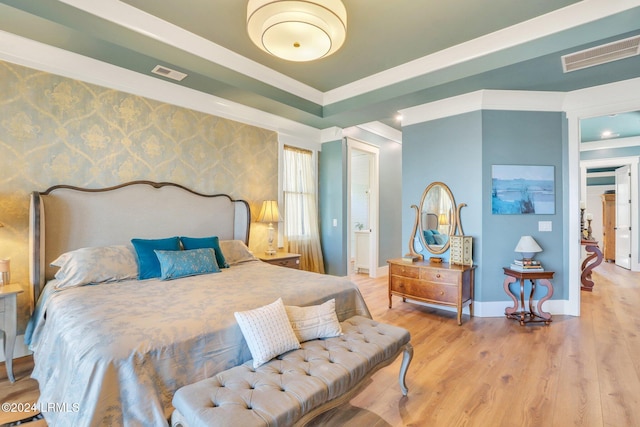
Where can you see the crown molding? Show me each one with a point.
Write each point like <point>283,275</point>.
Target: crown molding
<point>40,56</point>
<point>382,130</point>
<point>554,22</point>
<point>484,100</point>
<point>610,144</point>
<point>144,23</point>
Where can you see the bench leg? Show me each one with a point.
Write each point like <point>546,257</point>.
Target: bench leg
<point>406,359</point>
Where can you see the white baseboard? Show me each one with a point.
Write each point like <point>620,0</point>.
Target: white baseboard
<point>19,350</point>
<point>382,271</point>
<point>496,308</point>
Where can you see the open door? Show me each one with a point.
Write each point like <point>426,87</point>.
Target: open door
<point>623,217</point>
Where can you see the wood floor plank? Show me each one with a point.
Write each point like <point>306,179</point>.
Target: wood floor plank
<point>577,371</point>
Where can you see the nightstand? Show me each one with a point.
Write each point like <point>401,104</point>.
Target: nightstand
<point>283,259</point>
<point>9,312</point>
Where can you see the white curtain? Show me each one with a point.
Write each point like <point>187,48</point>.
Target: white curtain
<point>300,211</point>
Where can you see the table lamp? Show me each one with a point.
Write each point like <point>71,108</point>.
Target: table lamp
<point>269,214</point>
<point>527,247</point>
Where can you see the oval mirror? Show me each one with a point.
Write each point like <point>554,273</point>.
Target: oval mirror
<point>437,216</point>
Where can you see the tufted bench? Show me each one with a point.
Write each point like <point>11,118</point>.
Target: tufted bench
<point>297,386</point>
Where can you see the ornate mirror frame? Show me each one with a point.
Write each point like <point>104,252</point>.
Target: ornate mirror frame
<point>418,227</point>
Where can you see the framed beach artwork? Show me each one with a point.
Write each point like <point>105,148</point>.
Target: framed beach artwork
<point>522,189</point>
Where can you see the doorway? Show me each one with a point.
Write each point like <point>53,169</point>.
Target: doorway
<point>627,167</point>
<point>362,207</point>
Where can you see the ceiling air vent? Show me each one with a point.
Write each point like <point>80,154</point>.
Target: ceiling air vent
<point>601,54</point>
<point>168,72</point>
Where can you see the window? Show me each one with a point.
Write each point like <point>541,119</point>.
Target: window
<point>300,210</point>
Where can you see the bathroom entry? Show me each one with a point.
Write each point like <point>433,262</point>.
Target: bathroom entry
<point>363,207</point>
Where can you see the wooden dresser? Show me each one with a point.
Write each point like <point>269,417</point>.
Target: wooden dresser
<point>609,227</point>
<point>444,284</point>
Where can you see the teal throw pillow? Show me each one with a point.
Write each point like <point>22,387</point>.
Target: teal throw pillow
<point>175,264</point>
<point>212,242</point>
<point>428,237</point>
<point>148,264</point>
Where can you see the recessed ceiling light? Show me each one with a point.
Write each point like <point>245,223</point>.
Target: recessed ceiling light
<point>608,134</point>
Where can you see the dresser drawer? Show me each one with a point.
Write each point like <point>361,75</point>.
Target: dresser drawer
<point>421,289</point>
<point>404,270</point>
<point>440,275</point>
<point>289,262</point>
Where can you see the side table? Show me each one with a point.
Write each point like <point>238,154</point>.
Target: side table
<point>531,315</point>
<point>9,310</point>
<point>283,259</point>
<point>589,263</point>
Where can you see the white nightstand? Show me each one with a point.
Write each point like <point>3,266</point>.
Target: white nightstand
<point>9,311</point>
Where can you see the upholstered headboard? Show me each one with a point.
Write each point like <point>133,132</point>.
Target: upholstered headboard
<point>65,218</point>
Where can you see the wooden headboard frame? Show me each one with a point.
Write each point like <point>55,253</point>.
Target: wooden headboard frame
<point>64,218</point>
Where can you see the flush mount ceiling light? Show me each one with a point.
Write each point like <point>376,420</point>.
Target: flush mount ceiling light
<point>297,30</point>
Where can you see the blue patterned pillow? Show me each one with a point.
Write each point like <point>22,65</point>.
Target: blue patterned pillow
<point>189,243</point>
<point>428,237</point>
<point>148,265</point>
<point>175,264</point>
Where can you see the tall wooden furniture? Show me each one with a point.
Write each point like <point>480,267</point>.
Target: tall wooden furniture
<point>436,283</point>
<point>608,227</point>
<point>531,315</point>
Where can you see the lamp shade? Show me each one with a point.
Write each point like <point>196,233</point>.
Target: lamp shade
<point>269,212</point>
<point>527,247</point>
<point>297,30</point>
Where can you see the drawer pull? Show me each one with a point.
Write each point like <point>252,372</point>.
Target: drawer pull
<point>438,275</point>
<point>441,292</point>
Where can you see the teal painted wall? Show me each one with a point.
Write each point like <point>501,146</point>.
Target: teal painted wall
<point>460,151</point>
<point>390,202</point>
<point>448,150</point>
<point>332,203</point>
<point>522,138</point>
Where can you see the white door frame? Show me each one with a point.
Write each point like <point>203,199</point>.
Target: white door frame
<point>374,198</point>
<point>590,102</point>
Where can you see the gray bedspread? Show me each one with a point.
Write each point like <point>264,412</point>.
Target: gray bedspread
<point>114,354</point>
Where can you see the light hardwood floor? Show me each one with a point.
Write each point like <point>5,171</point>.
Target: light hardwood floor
<point>578,371</point>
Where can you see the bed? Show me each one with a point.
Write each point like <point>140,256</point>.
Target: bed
<point>114,352</point>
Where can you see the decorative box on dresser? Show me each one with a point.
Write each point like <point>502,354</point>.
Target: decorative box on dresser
<point>609,227</point>
<point>435,283</point>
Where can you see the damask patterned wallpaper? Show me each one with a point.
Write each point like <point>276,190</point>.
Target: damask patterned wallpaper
<point>55,130</point>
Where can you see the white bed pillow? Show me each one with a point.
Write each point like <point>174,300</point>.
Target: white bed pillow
<point>316,321</point>
<point>95,265</point>
<point>267,331</point>
<point>235,251</point>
